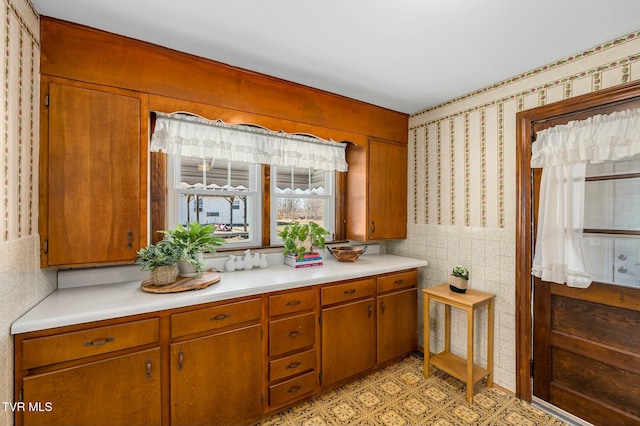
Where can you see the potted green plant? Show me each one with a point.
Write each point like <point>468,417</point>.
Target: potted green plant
<point>161,260</point>
<point>193,240</point>
<point>301,238</point>
<point>459,279</point>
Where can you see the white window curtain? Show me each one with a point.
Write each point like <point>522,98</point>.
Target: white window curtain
<point>193,136</point>
<point>563,152</point>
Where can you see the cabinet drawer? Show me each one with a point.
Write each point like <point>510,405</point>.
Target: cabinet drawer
<point>292,365</point>
<point>348,291</point>
<point>288,303</point>
<point>293,389</point>
<point>93,341</point>
<point>293,333</point>
<point>205,319</point>
<point>397,281</point>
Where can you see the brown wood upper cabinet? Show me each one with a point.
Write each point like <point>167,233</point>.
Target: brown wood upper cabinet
<point>377,191</point>
<point>92,174</point>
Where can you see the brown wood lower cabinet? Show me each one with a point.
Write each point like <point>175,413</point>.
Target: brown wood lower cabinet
<point>119,391</point>
<point>348,340</point>
<point>397,315</point>
<point>219,363</point>
<point>216,380</point>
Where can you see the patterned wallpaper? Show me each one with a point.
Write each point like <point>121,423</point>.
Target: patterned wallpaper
<point>463,151</point>
<point>22,282</point>
<point>19,162</point>
<point>462,186</point>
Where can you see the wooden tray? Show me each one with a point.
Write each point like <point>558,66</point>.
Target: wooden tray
<point>182,283</point>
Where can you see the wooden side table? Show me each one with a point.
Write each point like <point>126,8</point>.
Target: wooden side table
<point>460,368</point>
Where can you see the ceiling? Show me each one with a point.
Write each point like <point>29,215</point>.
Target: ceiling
<point>406,55</point>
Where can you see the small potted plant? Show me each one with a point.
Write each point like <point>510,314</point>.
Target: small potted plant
<point>161,260</point>
<point>193,240</point>
<point>459,279</point>
<point>301,238</point>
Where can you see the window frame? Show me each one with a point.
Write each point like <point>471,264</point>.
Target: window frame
<point>254,191</point>
<point>158,199</point>
<point>329,196</point>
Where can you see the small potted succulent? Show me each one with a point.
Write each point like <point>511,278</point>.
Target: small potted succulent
<point>192,241</point>
<point>301,238</point>
<point>459,279</point>
<point>161,260</point>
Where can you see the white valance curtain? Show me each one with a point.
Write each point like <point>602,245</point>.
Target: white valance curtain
<point>563,152</point>
<point>192,136</point>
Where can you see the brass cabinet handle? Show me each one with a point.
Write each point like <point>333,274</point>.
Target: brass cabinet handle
<point>220,317</point>
<point>100,342</point>
<point>130,240</point>
<point>180,360</point>
<point>293,303</point>
<point>370,310</point>
<point>383,307</point>
<point>373,227</point>
<point>350,291</point>
<point>148,368</point>
<point>293,334</point>
<point>293,365</point>
<point>400,281</point>
<point>293,389</point>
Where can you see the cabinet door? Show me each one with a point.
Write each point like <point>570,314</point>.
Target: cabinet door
<point>216,380</point>
<point>387,192</point>
<point>397,324</point>
<point>348,340</point>
<point>118,391</point>
<point>92,176</point>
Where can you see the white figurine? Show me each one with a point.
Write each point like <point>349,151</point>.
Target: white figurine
<point>230,266</point>
<point>247,261</point>
<point>263,263</point>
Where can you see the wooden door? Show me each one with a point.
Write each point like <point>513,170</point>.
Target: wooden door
<point>397,324</point>
<point>118,391</point>
<point>348,340</point>
<point>387,193</point>
<point>217,380</point>
<point>587,351</point>
<point>586,348</point>
<point>92,176</point>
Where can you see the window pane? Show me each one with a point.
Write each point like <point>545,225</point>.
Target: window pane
<point>612,204</point>
<point>230,214</point>
<point>607,168</point>
<point>300,209</point>
<point>196,173</point>
<point>302,181</point>
<point>613,259</point>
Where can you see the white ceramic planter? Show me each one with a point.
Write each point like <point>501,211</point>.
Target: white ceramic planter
<point>457,284</point>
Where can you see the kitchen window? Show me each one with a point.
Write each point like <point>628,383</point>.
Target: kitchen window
<point>219,174</point>
<point>300,194</point>
<point>222,193</point>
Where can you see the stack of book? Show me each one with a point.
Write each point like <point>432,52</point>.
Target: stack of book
<point>308,259</point>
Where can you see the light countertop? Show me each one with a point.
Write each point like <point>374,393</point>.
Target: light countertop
<point>80,304</point>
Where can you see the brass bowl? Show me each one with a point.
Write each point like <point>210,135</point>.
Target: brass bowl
<point>347,253</point>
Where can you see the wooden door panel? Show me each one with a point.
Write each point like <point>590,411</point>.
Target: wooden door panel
<point>348,340</point>
<point>587,351</point>
<point>387,190</point>
<point>596,322</point>
<point>217,379</point>
<point>596,380</point>
<point>586,409</point>
<point>93,176</point>
<point>119,391</point>
<point>397,324</point>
